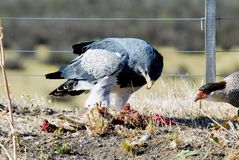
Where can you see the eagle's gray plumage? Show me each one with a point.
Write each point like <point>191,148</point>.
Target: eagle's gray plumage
<point>117,66</point>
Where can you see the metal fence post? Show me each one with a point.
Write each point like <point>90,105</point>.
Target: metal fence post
<point>210,40</point>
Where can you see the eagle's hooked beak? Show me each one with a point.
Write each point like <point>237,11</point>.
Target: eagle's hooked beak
<point>147,78</point>
<point>149,83</point>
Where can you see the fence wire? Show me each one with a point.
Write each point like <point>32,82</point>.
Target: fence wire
<point>193,19</point>
<point>163,75</point>
<point>163,51</point>
<point>116,18</point>
<point>99,19</point>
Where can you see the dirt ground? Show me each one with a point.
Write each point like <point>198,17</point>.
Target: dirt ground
<point>188,139</point>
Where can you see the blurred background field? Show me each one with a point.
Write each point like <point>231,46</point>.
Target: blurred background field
<point>30,44</point>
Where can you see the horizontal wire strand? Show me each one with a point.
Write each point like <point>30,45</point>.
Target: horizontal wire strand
<point>116,18</point>
<point>36,51</point>
<point>65,51</point>
<point>164,75</point>
<point>99,19</point>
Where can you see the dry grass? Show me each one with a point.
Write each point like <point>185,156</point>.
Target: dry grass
<point>174,98</point>
<point>168,97</point>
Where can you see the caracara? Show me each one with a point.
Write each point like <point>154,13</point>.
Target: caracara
<point>224,91</point>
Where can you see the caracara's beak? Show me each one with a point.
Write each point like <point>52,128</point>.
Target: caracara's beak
<point>196,99</point>
<point>200,95</point>
<point>150,84</point>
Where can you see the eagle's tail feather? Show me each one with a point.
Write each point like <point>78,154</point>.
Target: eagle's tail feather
<point>67,89</point>
<point>54,75</point>
<point>80,48</point>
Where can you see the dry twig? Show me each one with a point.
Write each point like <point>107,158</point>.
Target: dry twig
<point>7,91</point>
<point>214,121</point>
<point>6,152</point>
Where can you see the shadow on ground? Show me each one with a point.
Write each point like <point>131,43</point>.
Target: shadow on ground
<point>199,122</point>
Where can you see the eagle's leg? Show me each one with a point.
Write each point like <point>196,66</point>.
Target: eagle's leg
<point>97,98</point>
<point>118,100</point>
<point>100,93</point>
<point>120,96</point>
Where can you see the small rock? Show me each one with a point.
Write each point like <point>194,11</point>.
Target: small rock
<point>113,144</point>
<point>100,145</point>
<point>145,138</point>
<point>48,111</point>
<point>173,144</point>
